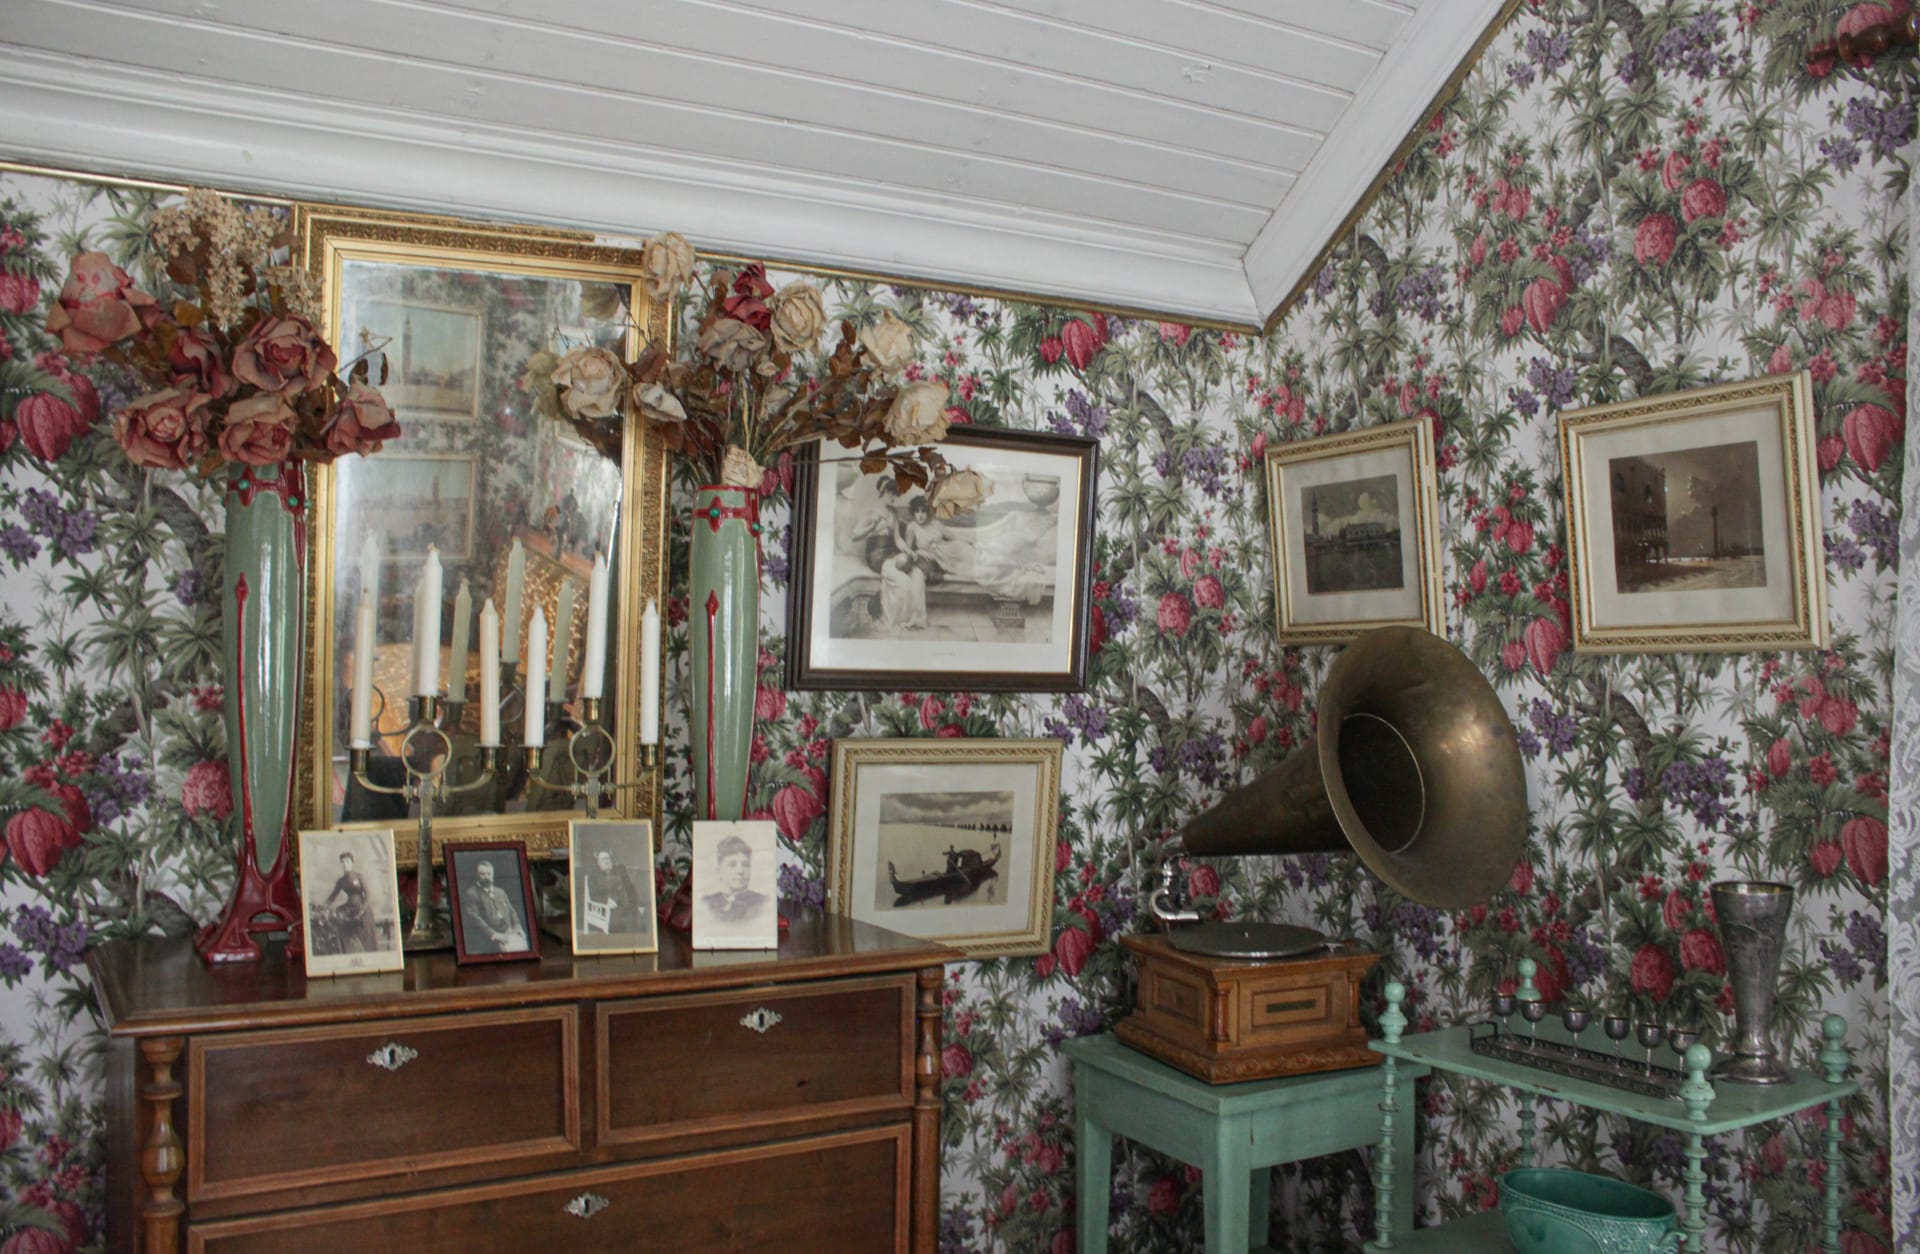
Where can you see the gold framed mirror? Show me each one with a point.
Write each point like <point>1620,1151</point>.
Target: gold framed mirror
<point>510,498</point>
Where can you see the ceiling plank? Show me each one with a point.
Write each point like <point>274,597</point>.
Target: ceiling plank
<point>1318,41</point>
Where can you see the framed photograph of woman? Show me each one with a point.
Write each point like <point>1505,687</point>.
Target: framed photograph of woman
<point>736,898</point>
<point>491,889</point>
<point>611,867</point>
<point>350,902</point>
<point>1356,535</point>
<point>1693,520</point>
<point>913,589</point>
<point>948,840</point>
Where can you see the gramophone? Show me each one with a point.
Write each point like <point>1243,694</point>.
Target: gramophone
<point>1415,768</point>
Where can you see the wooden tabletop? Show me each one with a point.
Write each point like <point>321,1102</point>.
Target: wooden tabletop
<point>155,986</point>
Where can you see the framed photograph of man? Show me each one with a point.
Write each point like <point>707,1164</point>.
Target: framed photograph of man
<point>611,864</point>
<point>1693,520</point>
<point>736,901</point>
<point>1356,535</point>
<point>491,889</point>
<point>948,840</point>
<point>350,902</point>
<point>978,587</point>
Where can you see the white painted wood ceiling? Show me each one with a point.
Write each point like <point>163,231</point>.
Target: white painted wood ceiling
<point>1189,157</point>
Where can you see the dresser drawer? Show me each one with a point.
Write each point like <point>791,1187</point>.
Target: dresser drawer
<point>281,1110</point>
<point>846,1194</point>
<point>683,1066</point>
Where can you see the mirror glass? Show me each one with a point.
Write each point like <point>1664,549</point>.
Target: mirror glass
<point>514,503</point>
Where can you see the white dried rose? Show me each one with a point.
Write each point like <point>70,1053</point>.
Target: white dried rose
<point>657,404</point>
<point>731,344</point>
<point>918,414</point>
<point>798,317</point>
<point>591,381</point>
<point>958,493</point>
<point>889,342</point>
<point>668,262</point>
<point>739,470</point>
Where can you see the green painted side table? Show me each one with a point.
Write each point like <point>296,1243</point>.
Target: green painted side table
<point>1233,1132</point>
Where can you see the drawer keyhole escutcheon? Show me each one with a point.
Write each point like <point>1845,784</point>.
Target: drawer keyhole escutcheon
<point>587,1205</point>
<point>392,1056</point>
<point>760,1020</point>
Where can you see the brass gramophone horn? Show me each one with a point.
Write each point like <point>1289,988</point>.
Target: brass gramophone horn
<point>1414,767</point>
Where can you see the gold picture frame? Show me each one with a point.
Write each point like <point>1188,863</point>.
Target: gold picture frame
<point>1729,560</point>
<point>1341,509</point>
<point>509,266</point>
<point>993,804</point>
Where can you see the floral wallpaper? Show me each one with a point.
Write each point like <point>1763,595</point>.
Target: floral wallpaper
<point>1623,199</point>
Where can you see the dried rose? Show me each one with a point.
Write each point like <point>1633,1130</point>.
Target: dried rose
<point>668,262</point>
<point>259,430</point>
<point>731,344</point>
<point>197,364</point>
<point>889,342</point>
<point>591,381</point>
<point>748,303</point>
<point>165,429</point>
<point>657,404</point>
<point>361,422</point>
<point>798,317</point>
<point>283,356</point>
<point>958,493</point>
<point>739,470</point>
<point>918,414</point>
<point>99,306</point>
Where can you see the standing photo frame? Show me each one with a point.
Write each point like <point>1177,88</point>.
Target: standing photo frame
<point>1354,523</point>
<point>948,840</point>
<point>1693,520</point>
<point>736,898</point>
<point>350,902</point>
<point>995,598</point>
<point>610,865</point>
<point>491,890</point>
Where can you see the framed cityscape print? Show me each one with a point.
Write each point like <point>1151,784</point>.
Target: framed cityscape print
<point>945,591</point>
<point>947,840</point>
<point>1693,520</point>
<point>1354,519</point>
<point>432,352</point>
<point>611,866</point>
<point>350,902</point>
<point>490,888</point>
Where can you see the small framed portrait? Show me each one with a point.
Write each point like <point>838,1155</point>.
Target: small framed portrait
<point>736,903</point>
<point>948,840</point>
<point>350,902</point>
<point>898,590</point>
<point>1355,525</point>
<point>491,889</point>
<point>1693,520</point>
<point>611,865</point>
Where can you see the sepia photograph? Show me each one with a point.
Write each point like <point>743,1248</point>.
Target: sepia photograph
<point>415,502</point>
<point>735,901</point>
<point>491,889</point>
<point>433,356</point>
<point>349,902</point>
<point>1693,520</point>
<point>611,861</point>
<point>942,848</point>
<point>1353,535</point>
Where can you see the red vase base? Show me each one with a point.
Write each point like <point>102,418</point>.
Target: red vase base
<point>268,902</point>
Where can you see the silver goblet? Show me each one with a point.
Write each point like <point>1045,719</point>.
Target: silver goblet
<point>1576,1022</point>
<point>1503,1004</point>
<point>1649,1035</point>
<point>1681,1039</point>
<point>1533,1012</point>
<point>1616,1027</point>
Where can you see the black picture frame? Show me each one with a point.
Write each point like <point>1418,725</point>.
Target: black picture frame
<point>1013,559</point>
<point>474,941</point>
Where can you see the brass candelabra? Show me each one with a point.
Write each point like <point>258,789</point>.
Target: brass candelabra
<point>590,751</point>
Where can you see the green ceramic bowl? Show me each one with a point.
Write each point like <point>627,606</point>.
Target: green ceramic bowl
<point>1552,1211</point>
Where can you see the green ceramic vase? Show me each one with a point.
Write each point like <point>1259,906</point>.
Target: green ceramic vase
<point>723,621</point>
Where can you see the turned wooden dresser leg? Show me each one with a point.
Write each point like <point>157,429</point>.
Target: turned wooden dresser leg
<point>925,1223</point>
<point>161,1154</point>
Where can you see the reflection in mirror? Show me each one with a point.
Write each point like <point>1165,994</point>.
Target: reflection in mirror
<point>514,506</point>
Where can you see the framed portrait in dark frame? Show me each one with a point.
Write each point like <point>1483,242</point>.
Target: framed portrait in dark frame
<point>490,888</point>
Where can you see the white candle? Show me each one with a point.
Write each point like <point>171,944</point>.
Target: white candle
<point>489,674</point>
<point>516,585</point>
<point>650,675</point>
<point>370,569</point>
<point>413,644</point>
<point>361,721</point>
<point>537,681</point>
<point>562,641</point>
<point>593,665</point>
<point>429,595</point>
<point>462,634</point>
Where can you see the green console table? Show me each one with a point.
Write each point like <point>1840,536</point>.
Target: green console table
<point>1235,1133</point>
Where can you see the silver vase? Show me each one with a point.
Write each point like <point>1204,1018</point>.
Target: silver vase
<point>1753,929</point>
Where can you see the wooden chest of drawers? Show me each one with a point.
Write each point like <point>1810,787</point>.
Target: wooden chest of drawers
<point>678,1101</point>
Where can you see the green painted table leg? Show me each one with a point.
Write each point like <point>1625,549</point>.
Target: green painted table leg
<point>1526,1130</point>
<point>1833,1060</point>
<point>1401,1182</point>
<point>1697,1093</point>
<point>1259,1206</point>
<point>1093,1183</point>
<point>1223,1197</point>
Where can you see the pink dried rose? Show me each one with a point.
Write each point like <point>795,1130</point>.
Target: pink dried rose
<point>739,470</point>
<point>918,414</point>
<point>207,789</point>
<point>49,424</point>
<point>592,382</point>
<point>887,343</point>
<point>99,306</point>
<point>197,363</point>
<point>259,430</point>
<point>748,301</point>
<point>362,421</point>
<point>166,430</point>
<point>283,356</point>
<point>668,261</point>
<point>731,344</point>
<point>798,318</point>
<point>958,493</point>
